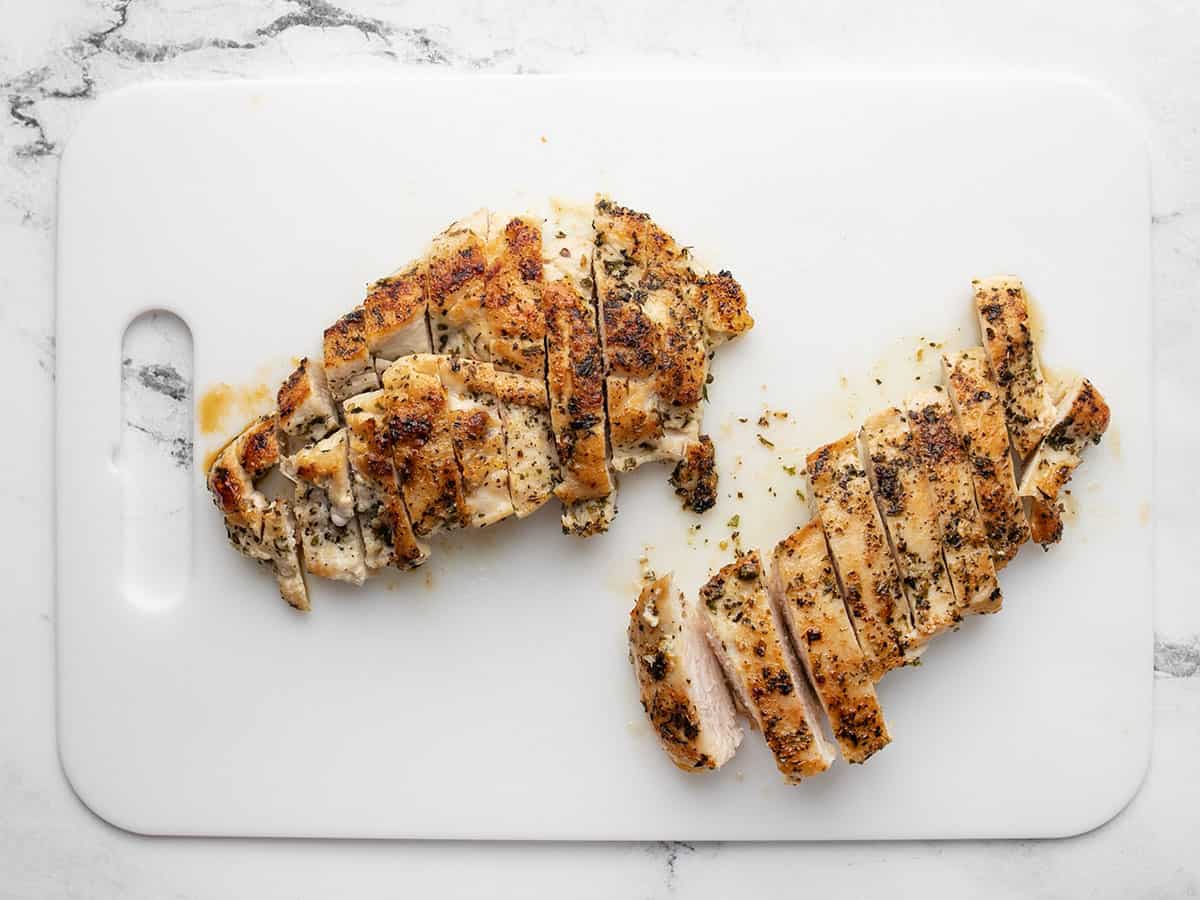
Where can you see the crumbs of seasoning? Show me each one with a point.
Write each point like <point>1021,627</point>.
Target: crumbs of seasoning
<point>763,421</point>
<point>740,495</point>
<point>780,414</point>
<point>734,522</point>
<point>762,440</point>
<point>800,494</point>
<point>743,419</point>
<point>724,545</point>
<point>879,381</point>
<point>791,470</point>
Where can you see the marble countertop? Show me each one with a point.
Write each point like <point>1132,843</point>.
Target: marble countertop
<point>57,57</point>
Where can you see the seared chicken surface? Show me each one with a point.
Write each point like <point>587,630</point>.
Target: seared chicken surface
<point>512,297</point>
<point>976,401</point>
<point>1003,309</point>
<point>394,314</point>
<point>348,363</point>
<point>682,689</point>
<point>306,409</point>
<point>1081,419</point>
<point>805,587</point>
<point>457,274</point>
<point>910,517</point>
<point>748,638</point>
<point>841,500</point>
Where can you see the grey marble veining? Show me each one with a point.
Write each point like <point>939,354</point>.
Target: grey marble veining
<point>57,58</point>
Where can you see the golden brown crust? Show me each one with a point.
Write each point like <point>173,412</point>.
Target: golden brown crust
<point>1082,418</point>
<point>975,397</point>
<point>841,498</point>
<point>512,298</point>
<point>393,304</point>
<point>743,623</point>
<point>418,427</point>
<point>808,592</point>
<point>575,378</point>
<point>695,476</point>
<point>964,539</point>
<point>723,303</point>
<point>1003,309</point>
<point>456,283</point>
<point>346,340</point>
<point>386,529</point>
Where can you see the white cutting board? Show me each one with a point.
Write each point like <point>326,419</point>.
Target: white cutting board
<point>489,695</point>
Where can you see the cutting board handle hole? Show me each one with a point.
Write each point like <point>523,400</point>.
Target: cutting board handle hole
<point>155,459</point>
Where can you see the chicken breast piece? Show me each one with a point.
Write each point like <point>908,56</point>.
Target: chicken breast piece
<point>457,266</point>
<point>231,481</point>
<point>682,689</point>
<point>394,321</point>
<point>575,376</point>
<point>325,510</point>
<point>723,305</point>
<point>910,518</point>
<point>1081,418</point>
<point>348,364</point>
<point>747,636</point>
<point>306,408</point>
<point>695,476</point>
<point>1003,309</point>
<point>654,337</point>
<point>964,540</point>
<point>279,541</point>
<point>387,532</point>
<point>840,495</point>
<point>419,427</point>
<point>804,586</point>
<point>330,550</point>
<point>975,397</point>
<point>326,465</point>
<point>513,296</point>
<point>477,432</point>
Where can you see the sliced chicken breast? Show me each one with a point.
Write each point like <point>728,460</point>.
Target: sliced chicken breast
<point>231,481</point>
<point>748,638</point>
<point>387,532</point>
<point>1003,309</point>
<point>840,495</point>
<point>420,431</point>
<point>683,691</point>
<point>910,518</point>
<point>964,540</point>
<point>348,364</point>
<point>804,586</point>
<point>1081,418</point>
<point>477,431</point>
<point>307,411</point>
<point>325,509</point>
<point>975,397</point>
<point>513,296</point>
<point>695,476</point>
<point>575,376</point>
<point>457,265</point>
<point>723,305</point>
<point>394,314</point>
<point>279,541</point>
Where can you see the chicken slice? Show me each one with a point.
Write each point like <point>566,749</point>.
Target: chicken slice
<point>655,339</point>
<point>1003,309</point>
<point>513,296</point>
<point>325,509</point>
<point>419,428</point>
<point>964,540</point>
<point>906,503</point>
<point>260,529</point>
<point>348,364</point>
<point>477,431</point>
<point>805,587</point>
<point>457,266</point>
<point>279,541</point>
<point>840,496</point>
<point>683,691</point>
<point>723,305</point>
<point>1081,418</point>
<point>748,638</point>
<point>575,375</point>
<point>387,532</point>
<point>394,314</point>
<point>307,412</point>
<point>695,476</point>
<point>975,398</point>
